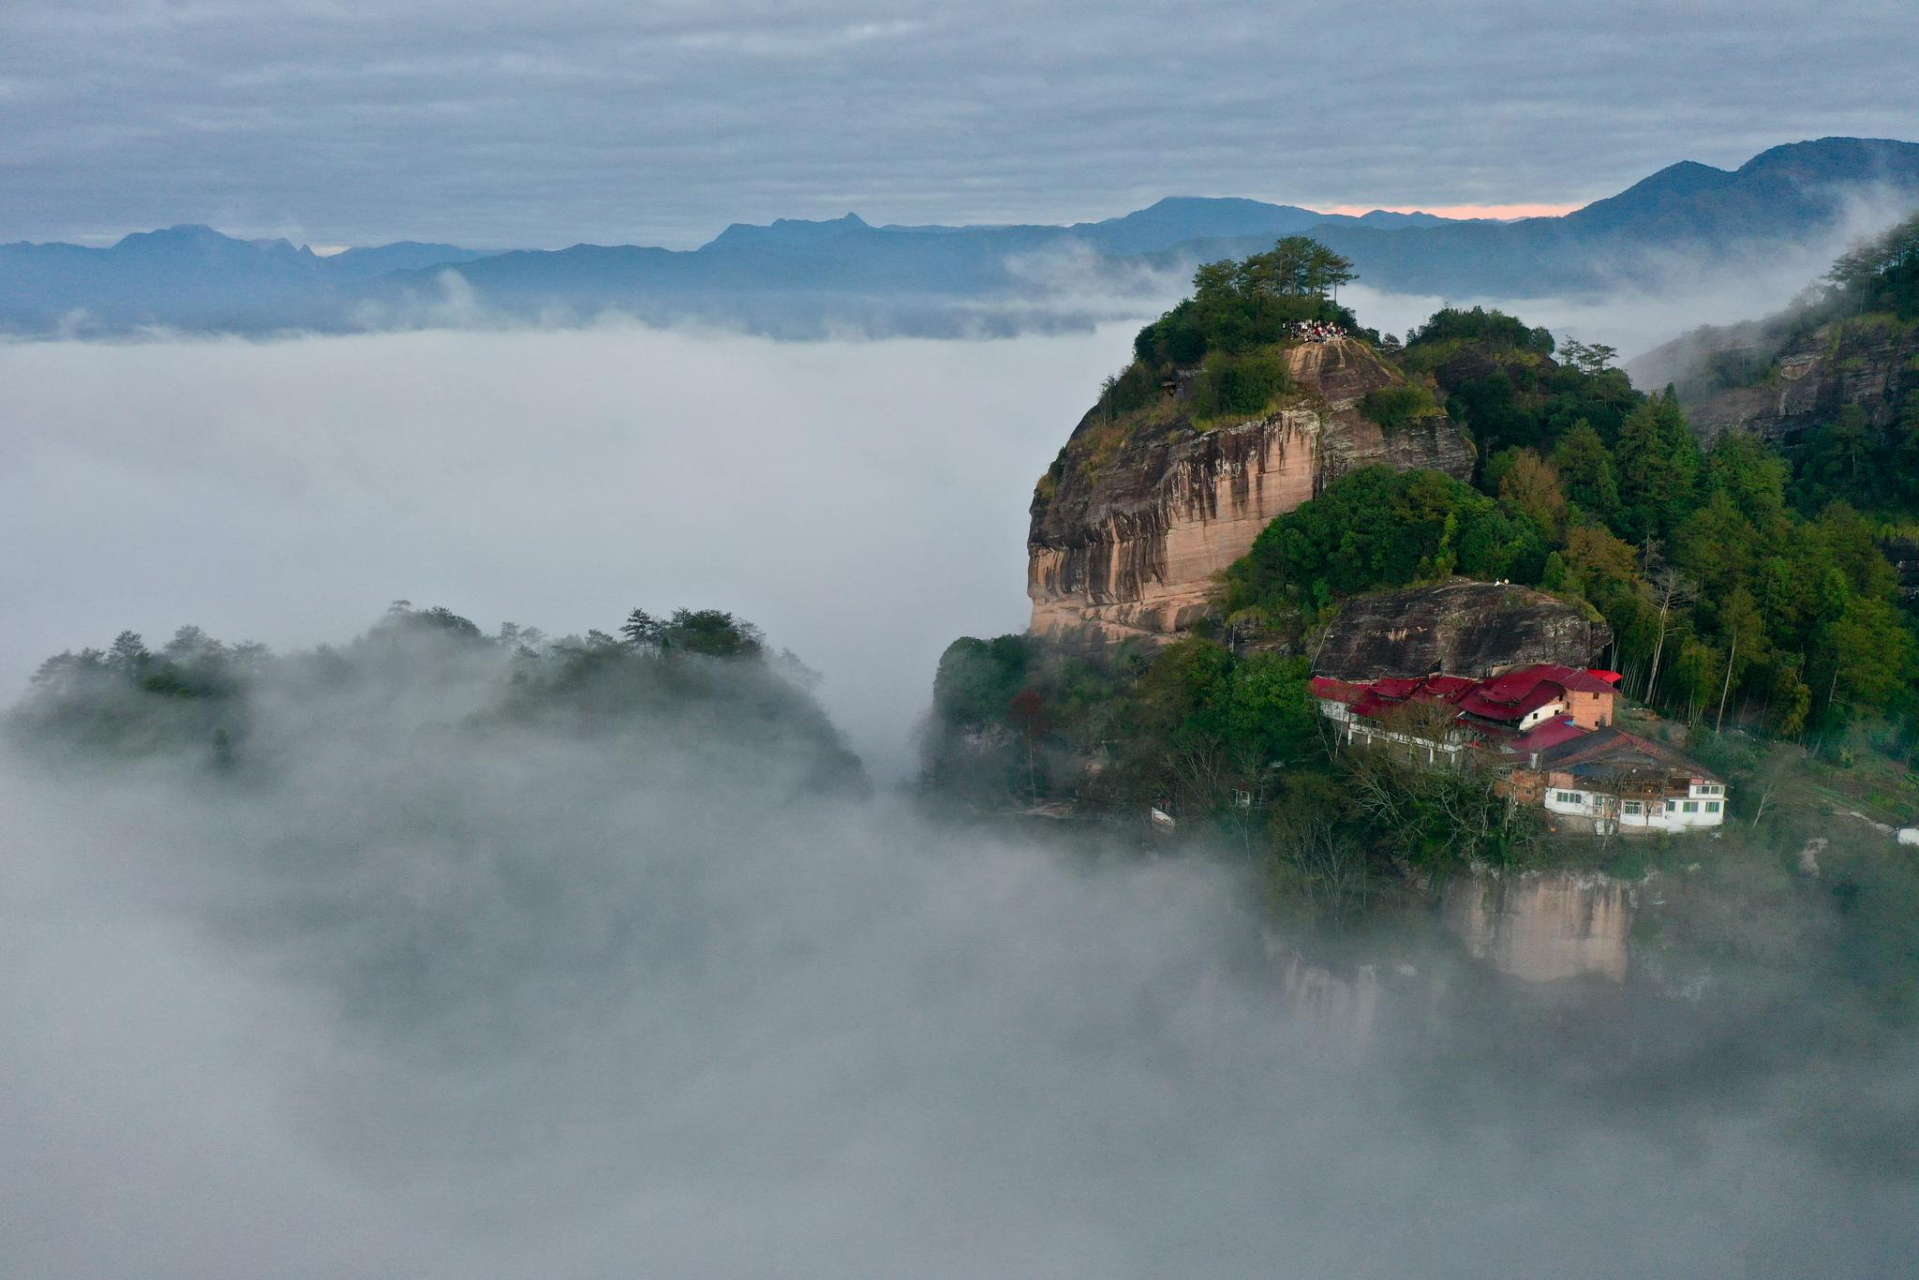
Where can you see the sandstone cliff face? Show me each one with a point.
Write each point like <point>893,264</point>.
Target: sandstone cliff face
<point>1544,926</point>
<point>1473,629</point>
<point>1813,380</point>
<point>1129,530</point>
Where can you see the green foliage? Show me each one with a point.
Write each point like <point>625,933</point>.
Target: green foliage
<point>1657,464</point>
<point>1400,405</point>
<point>1236,307</point>
<point>1377,527</point>
<point>1187,724</point>
<point>194,695</point>
<point>1883,274</point>
<point>1439,817</point>
<point>1493,329</point>
<point>1239,385</point>
<point>977,679</point>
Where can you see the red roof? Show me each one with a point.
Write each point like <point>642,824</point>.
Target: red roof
<point>1450,687</point>
<point>1550,734</point>
<point>1331,690</point>
<point>1512,701</point>
<point>1503,700</point>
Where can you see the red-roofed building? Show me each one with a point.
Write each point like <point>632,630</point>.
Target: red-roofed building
<point>1548,728</point>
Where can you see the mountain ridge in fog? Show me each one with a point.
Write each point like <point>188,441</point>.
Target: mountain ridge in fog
<point>799,278</point>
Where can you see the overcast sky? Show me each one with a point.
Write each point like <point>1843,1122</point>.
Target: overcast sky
<point>494,123</point>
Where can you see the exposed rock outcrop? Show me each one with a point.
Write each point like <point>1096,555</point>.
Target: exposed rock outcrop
<point>1810,381</point>
<point>1137,516</point>
<point>1473,629</point>
<point>1544,926</point>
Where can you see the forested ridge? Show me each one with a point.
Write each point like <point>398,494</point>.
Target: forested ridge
<point>690,681</point>
<point>1746,586</point>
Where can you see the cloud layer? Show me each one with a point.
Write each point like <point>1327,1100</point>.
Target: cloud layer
<point>436,1004</point>
<point>864,502</point>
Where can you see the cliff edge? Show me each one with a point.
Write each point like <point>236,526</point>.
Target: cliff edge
<point>1141,510</point>
<point>1811,379</point>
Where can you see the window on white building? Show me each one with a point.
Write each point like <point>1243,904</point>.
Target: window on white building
<point>1672,806</point>
<point>1633,808</point>
<point>1712,806</point>
<point>1691,806</point>
<point>1570,797</point>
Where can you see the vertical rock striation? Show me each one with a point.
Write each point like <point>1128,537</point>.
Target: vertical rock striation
<point>1138,515</point>
<point>1544,926</point>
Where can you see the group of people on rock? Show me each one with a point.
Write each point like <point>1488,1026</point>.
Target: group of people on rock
<point>1317,331</point>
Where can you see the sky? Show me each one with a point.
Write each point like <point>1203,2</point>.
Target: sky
<point>492,124</point>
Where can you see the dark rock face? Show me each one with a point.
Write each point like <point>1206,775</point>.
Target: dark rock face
<point>1132,525</point>
<point>1904,556</point>
<point>1815,378</point>
<point>1475,629</point>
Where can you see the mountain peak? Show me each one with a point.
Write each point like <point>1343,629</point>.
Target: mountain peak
<point>178,233</point>
<point>788,231</point>
<point>1836,159</point>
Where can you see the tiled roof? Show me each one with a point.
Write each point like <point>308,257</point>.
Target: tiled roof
<point>1493,709</point>
<point>1612,751</point>
<point>1548,735</point>
<point>1330,690</point>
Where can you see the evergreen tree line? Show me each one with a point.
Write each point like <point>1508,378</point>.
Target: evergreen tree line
<point>1238,315</point>
<point>1739,590</point>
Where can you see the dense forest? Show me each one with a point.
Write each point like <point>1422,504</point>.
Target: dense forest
<point>1752,605</point>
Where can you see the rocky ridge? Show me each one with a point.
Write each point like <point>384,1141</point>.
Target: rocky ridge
<point>1136,517</point>
<point>1811,379</point>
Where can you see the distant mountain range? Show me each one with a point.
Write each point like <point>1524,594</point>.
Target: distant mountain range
<point>799,278</point>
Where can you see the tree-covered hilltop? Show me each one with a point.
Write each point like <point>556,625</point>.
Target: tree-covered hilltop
<point>693,680</point>
<point>1239,315</point>
<point>1734,577</point>
<point>1832,381</point>
<point>1745,585</point>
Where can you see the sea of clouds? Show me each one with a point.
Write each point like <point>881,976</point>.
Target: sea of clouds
<point>429,1005</point>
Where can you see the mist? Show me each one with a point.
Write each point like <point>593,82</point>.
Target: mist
<point>864,502</point>
<point>425,1001</point>
<point>512,1003</point>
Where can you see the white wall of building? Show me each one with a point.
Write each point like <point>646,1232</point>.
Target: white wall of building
<point>1703,805</point>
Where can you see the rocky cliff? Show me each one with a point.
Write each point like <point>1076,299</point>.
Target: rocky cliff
<point>1810,379</point>
<point>1140,512</point>
<point>1461,628</point>
<point>1544,926</point>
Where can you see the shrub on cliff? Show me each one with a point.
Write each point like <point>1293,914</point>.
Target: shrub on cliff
<point>1493,329</point>
<point>1239,385</point>
<point>1399,405</point>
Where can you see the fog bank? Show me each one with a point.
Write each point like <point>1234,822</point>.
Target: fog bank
<point>428,1002</point>
<point>864,502</point>
<point>436,1003</point>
